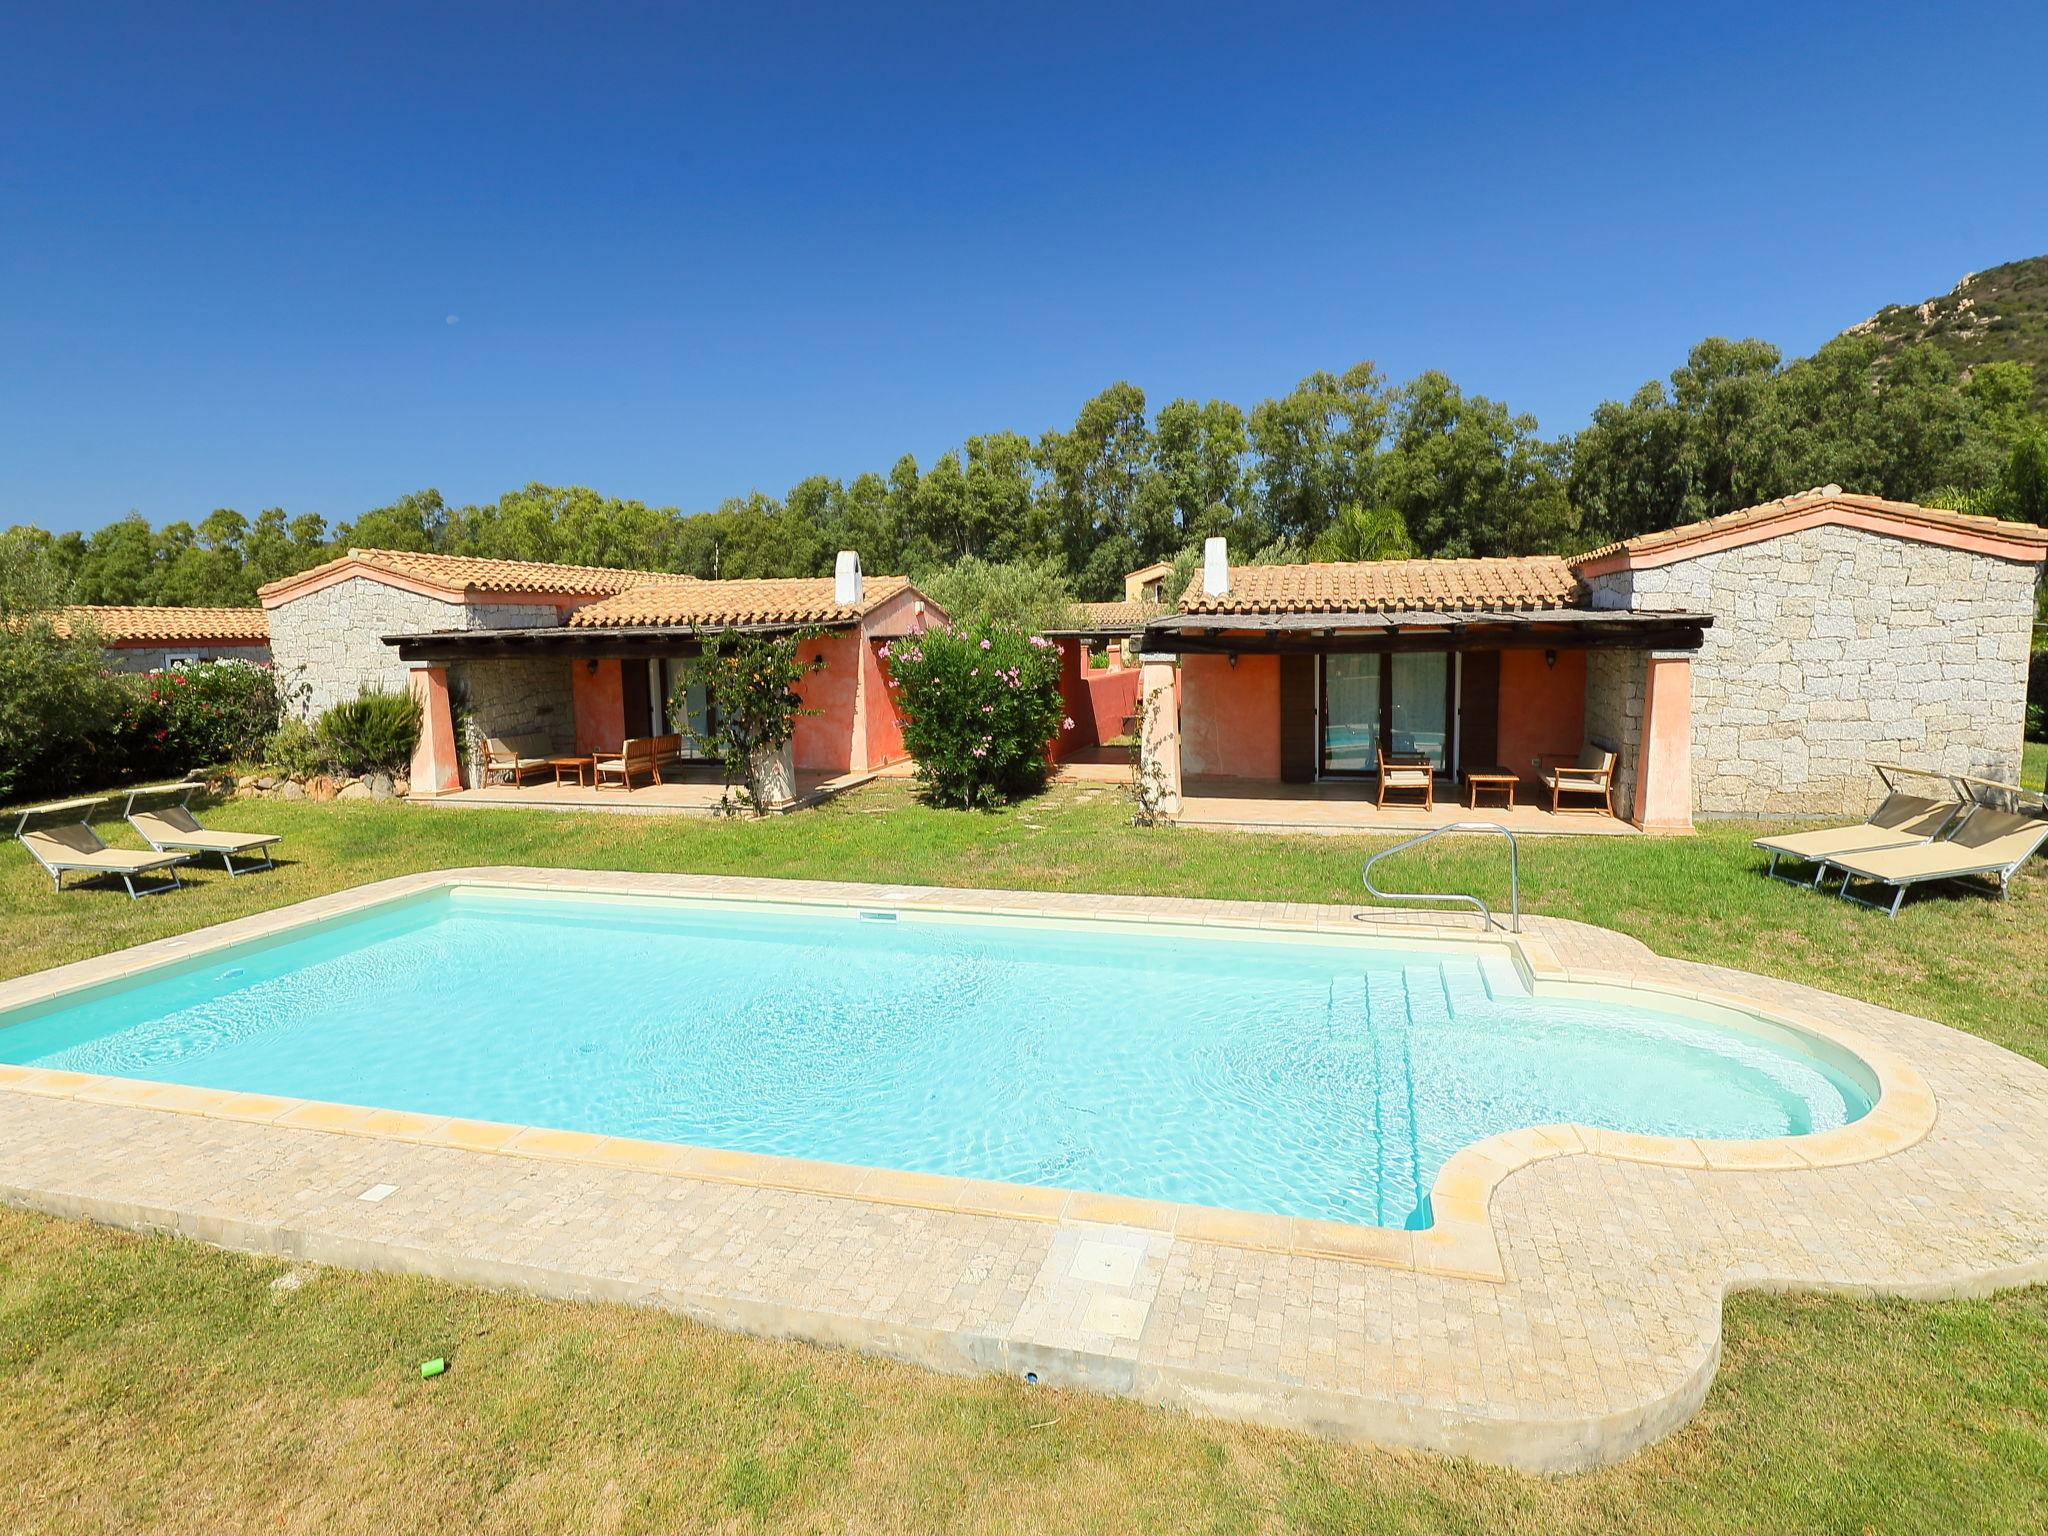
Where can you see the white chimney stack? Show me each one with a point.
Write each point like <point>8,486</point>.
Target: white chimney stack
<point>846,583</point>
<point>1215,568</point>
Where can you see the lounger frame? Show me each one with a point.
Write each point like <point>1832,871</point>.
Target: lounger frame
<point>1884,771</point>
<point>2002,870</point>
<point>192,853</point>
<point>57,869</point>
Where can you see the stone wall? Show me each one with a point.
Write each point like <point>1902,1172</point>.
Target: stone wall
<point>328,645</point>
<point>1616,683</point>
<point>1833,647</point>
<point>519,696</point>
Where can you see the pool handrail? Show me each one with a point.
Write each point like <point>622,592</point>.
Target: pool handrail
<point>1486,917</point>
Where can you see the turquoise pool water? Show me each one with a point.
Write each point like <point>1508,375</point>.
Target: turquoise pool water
<point>1328,1080</point>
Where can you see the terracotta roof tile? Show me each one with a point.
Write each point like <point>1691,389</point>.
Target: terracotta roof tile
<point>1802,502</point>
<point>458,574</point>
<point>224,626</point>
<point>1383,586</point>
<point>1121,615</point>
<point>804,600</point>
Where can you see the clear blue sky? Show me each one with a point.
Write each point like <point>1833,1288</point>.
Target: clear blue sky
<point>318,257</point>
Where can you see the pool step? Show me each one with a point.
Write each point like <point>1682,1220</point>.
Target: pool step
<point>1428,1002</point>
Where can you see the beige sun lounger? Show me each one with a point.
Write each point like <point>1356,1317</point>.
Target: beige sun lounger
<point>1985,842</point>
<point>74,848</point>
<point>174,829</point>
<point>1903,820</point>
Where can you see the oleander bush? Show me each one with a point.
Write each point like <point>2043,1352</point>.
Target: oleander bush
<point>211,712</point>
<point>377,729</point>
<point>980,707</point>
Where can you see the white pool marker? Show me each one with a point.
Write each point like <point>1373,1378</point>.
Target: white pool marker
<point>1120,1317</point>
<point>377,1192</point>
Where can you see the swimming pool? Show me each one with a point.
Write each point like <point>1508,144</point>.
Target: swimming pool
<point>1318,1077</point>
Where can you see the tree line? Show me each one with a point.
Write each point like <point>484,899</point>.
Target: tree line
<point>1346,466</point>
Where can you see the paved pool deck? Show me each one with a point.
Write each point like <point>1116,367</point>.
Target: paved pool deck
<point>1565,1311</point>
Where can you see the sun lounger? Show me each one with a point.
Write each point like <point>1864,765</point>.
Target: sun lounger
<point>1903,820</point>
<point>1987,841</point>
<point>74,848</point>
<point>174,829</point>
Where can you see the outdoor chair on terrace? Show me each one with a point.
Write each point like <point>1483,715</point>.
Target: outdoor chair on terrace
<point>1592,773</point>
<point>1987,841</point>
<point>637,754</point>
<point>1406,775</point>
<point>174,829</point>
<point>522,757</point>
<point>1904,820</point>
<point>74,848</point>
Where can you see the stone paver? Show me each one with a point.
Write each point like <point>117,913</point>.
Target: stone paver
<point>1595,1330</point>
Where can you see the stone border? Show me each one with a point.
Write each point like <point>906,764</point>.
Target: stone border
<point>1461,1243</point>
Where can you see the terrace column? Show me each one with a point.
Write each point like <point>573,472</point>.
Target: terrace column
<point>436,767</point>
<point>1664,772</point>
<point>1159,719</point>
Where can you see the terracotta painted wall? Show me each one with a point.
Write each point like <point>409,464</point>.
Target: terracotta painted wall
<point>878,708</point>
<point>1542,709</point>
<point>1230,716</point>
<point>824,741</point>
<point>600,706</point>
<point>1074,700</point>
<point>1111,696</point>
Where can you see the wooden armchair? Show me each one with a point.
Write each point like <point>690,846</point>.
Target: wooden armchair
<point>1406,774</point>
<point>1591,773</point>
<point>519,756</point>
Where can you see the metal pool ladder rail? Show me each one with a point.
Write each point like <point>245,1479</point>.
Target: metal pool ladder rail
<point>1486,917</point>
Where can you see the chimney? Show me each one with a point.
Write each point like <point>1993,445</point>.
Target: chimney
<point>846,583</point>
<point>1215,568</point>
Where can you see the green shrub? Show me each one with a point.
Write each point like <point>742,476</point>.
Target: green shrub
<point>1027,594</point>
<point>56,699</point>
<point>376,729</point>
<point>182,718</point>
<point>293,749</point>
<point>980,707</point>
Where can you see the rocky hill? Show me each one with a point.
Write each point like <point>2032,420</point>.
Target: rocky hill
<point>1999,313</point>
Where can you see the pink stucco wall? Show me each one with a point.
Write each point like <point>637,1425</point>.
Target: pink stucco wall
<point>1230,716</point>
<point>1542,708</point>
<point>600,705</point>
<point>824,741</point>
<point>878,708</point>
<point>1110,696</point>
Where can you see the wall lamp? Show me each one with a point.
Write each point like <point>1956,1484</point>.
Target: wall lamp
<point>1233,658</point>
<point>1550,658</point>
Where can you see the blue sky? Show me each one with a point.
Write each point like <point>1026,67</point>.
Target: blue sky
<point>316,258</point>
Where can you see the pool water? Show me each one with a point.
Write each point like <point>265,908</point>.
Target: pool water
<point>1326,1079</point>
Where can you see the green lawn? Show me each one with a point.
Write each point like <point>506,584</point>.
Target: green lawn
<point>149,1383</point>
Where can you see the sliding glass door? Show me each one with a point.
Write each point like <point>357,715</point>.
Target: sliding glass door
<point>1400,701</point>
<point>1351,714</point>
<point>1419,707</point>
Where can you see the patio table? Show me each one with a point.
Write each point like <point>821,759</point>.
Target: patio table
<point>580,766</point>
<point>1486,780</point>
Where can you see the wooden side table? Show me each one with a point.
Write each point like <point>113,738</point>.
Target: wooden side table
<point>1486,780</point>
<point>580,766</point>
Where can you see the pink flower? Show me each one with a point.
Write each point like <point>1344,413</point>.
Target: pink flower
<point>1067,724</point>
<point>984,645</point>
<point>981,751</point>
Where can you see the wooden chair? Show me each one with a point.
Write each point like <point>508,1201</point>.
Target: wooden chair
<point>522,757</point>
<point>637,754</point>
<point>1591,773</point>
<point>1406,775</point>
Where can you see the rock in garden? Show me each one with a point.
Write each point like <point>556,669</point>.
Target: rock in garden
<point>293,791</point>
<point>320,787</point>
<point>355,789</point>
<point>380,786</point>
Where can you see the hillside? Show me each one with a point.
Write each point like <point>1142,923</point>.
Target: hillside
<point>1998,314</point>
